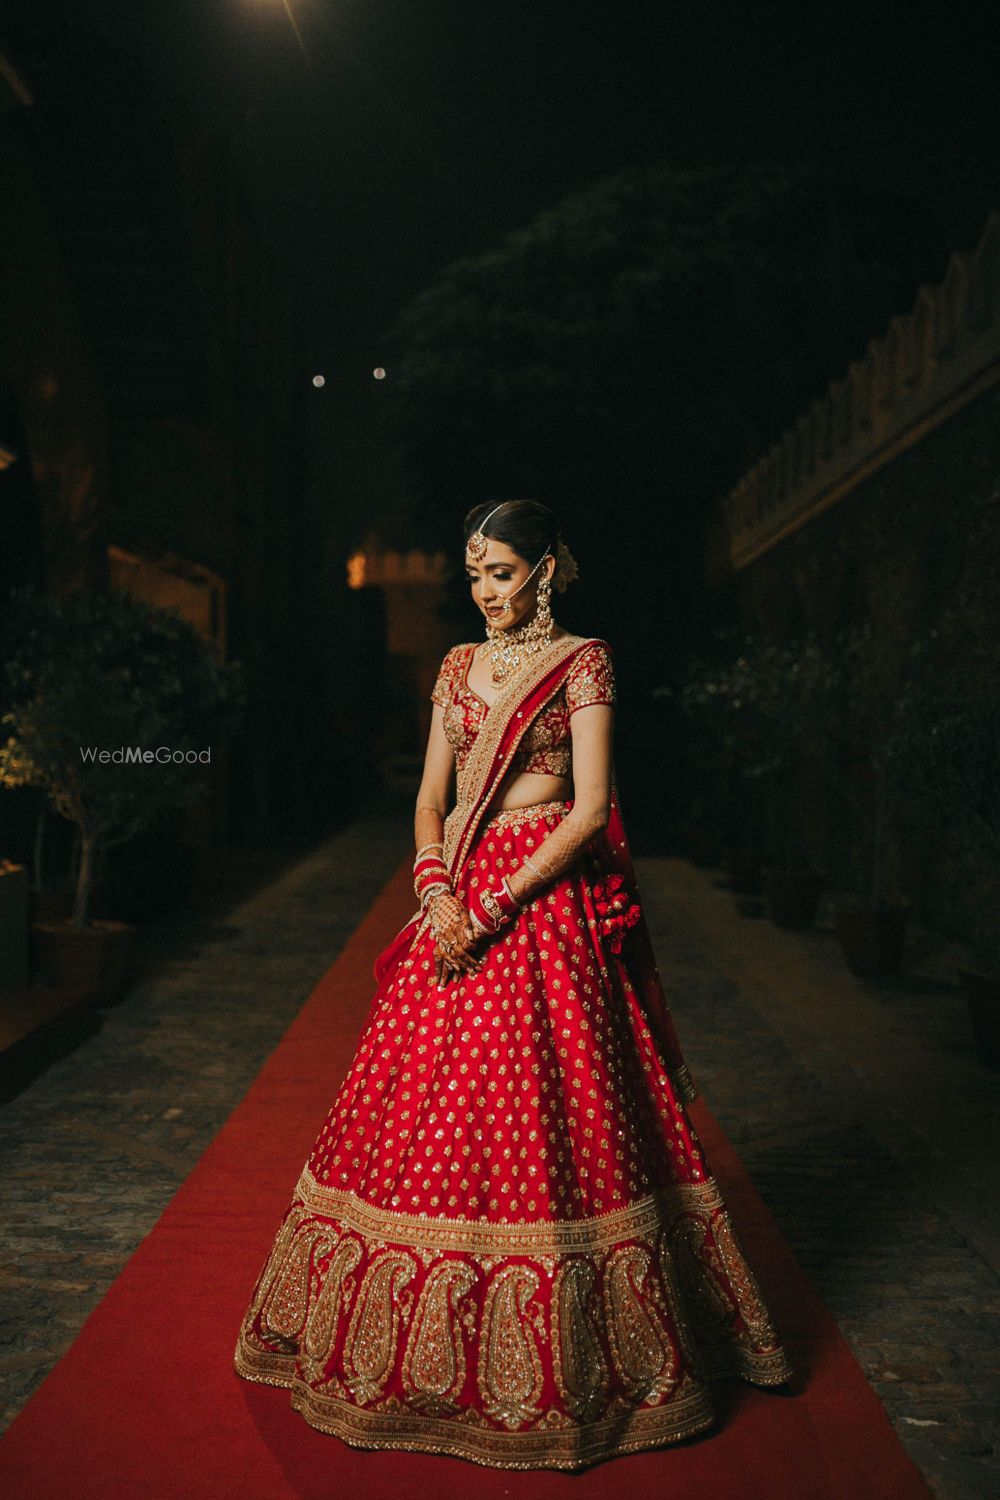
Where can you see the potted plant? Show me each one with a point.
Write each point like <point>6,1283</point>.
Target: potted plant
<point>13,926</point>
<point>950,733</point>
<point>708,771</point>
<point>864,732</point>
<point>114,705</point>
<point>722,810</point>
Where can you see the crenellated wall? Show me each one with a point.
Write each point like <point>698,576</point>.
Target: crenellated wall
<point>881,505</point>
<point>929,364</point>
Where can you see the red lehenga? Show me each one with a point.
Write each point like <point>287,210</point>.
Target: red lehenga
<point>506,1244</point>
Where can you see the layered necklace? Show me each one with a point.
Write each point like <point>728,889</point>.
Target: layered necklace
<point>510,650</point>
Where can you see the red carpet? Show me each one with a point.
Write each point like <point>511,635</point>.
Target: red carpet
<point>146,1403</point>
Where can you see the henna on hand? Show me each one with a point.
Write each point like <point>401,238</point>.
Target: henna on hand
<point>555,854</point>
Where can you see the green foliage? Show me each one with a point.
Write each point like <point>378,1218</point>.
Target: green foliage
<point>751,713</point>
<point>863,730</point>
<point>759,706</point>
<point>647,337</point>
<point>949,760</point>
<point>97,672</point>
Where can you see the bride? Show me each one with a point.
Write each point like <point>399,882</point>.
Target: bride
<point>507,1244</point>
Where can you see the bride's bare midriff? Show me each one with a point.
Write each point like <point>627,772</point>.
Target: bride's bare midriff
<point>529,787</point>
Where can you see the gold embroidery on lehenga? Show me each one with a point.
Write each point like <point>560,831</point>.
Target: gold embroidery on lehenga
<point>510,1368</point>
<point>640,1347</point>
<point>374,1330</point>
<point>704,1295</point>
<point>434,1363</point>
<point>648,1313</point>
<point>322,1322</point>
<point>284,1312</point>
<point>743,1282</point>
<point>275,1257</point>
<point>515,818</point>
<point>549,1444</point>
<point>538,1237</point>
<point>579,1365</point>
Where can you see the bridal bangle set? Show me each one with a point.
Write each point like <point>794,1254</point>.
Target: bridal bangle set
<point>430,874</point>
<point>488,909</point>
<point>491,908</point>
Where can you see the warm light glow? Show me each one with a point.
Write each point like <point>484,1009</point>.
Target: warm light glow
<point>356,571</point>
<point>378,372</point>
<point>8,456</point>
<point>286,7</point>
<point>319,380</point>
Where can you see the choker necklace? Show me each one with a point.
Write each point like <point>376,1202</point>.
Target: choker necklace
<point>509,650</point>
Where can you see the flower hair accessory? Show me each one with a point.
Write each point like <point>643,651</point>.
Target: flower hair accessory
<point>566,567</point>
<point>616,913</point>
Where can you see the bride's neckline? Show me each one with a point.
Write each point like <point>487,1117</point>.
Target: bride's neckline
<point>475,646</point>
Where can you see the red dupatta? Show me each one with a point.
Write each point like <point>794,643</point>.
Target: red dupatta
<point>611,847</point>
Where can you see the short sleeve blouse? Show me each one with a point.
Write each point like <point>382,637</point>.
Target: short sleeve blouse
<point>546,744</point>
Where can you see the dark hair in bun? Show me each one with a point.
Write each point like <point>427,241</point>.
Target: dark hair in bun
<point>528,527</point>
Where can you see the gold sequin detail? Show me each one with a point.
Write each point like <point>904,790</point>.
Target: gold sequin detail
<point>322,1321</point>
<point>579,1365</point>
<point>374,1330</point>
<point>284,1312</point>
<point>434,1363</point>
<point>510,1368</point>
<point>642,1351</point>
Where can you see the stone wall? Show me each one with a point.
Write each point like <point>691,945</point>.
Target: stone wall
<point>894,528</point>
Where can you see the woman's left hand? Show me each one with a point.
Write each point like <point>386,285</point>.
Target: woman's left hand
<point>454,939</point>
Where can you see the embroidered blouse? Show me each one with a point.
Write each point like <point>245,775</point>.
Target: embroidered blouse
<point>546,746</point>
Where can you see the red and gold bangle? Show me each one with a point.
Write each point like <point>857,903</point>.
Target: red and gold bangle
<point>492,908</point>
<point>430,872</point>
<point>425,849</point>
<point>431,888</point>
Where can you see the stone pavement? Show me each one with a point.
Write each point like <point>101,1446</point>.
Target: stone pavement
<point>92,1151</point>
<point>873,1135</point>
<point>860,1112</point>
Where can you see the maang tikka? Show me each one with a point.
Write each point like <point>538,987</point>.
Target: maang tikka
<point>476,546</point>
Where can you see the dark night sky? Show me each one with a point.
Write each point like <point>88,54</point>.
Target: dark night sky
<point>398,135</point>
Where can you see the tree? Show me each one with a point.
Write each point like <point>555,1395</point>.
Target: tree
<point>632,350</point>
<point>105,672</point>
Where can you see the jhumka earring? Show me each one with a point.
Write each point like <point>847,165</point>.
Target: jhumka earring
<point>544,602</point>
<point>509,649</point>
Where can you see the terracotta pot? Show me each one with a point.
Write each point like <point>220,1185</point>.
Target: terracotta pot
<point>745,875</point>
<point>13,926</point>
<point>793,896</point>
<point>982,991</point>
<point>96,959</point>
<point>872,940</point>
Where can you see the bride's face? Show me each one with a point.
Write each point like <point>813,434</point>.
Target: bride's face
<point>496,576</point>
